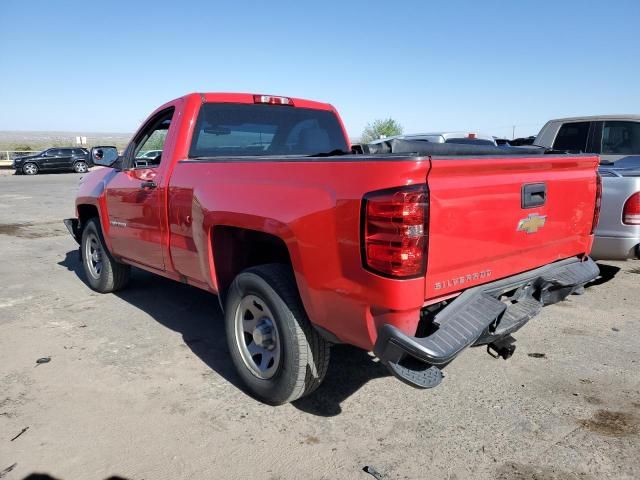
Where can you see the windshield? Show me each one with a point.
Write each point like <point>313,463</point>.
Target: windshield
<point>230,129</point>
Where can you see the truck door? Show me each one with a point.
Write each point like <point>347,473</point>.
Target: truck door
<point>136,194</point>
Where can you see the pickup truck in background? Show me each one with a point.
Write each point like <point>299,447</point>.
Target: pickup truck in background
<point>616,138</point>
<point>416,254</point>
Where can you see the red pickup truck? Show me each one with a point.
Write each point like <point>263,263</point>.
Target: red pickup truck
<point>415,252</point>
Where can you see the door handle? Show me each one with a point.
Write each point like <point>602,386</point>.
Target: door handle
<point>534,195</point>
<point>148,184</point>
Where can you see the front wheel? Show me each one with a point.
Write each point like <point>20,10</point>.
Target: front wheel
<point>104,273</point>
<point>275,349</point>
<point>30,169</point>
<point>80,167</point>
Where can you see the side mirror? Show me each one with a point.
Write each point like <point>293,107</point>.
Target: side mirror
<point>104,156</point>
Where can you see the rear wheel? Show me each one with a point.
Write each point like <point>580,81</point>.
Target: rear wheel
<point>275,349</point>
<point>80,167</point>
<point>104,273</point>
<point>30,169</point>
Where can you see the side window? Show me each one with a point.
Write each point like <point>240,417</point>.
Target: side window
<point>53,153</point>
<point>621,138</point>
<point>572,137</point>
<point>65,152</point>
<point>152,137</point>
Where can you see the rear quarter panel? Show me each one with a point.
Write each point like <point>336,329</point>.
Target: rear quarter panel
<point>314,207</point>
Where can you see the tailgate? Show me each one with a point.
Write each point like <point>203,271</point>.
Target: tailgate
<point>491,218</point>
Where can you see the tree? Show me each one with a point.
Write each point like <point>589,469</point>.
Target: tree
<point>156,140</point>
<point>381,129</point>
<point>21,147</point>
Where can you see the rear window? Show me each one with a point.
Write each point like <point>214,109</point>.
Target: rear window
<point>621,138</point>
<point>572,137</point>
<point>229,129</point>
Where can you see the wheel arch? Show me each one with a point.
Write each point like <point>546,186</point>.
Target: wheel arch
<point>234,249</point>
<point>86,212</point>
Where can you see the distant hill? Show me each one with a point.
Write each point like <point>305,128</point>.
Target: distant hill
<point>18,140</point>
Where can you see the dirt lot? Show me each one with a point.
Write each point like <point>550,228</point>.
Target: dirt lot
<point>139,384</point>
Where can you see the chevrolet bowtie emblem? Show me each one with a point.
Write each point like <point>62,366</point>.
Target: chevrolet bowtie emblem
<point>532,223</point>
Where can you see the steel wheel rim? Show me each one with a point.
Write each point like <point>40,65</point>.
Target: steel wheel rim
<point>81,167</point>
<point>93,255</point>
<point>257,337</point>
<point>30,169</point>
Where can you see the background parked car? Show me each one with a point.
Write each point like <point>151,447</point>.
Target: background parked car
<point>523,141</point>
<point>445,137</point>
<point>150,154</point>
<point>613,137</point>
<point>71,159</point>
<point>617,139</point>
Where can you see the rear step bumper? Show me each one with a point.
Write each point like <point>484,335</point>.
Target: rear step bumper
<point>479,316</point>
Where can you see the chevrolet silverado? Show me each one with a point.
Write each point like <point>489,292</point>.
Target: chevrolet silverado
<point>416,251</point>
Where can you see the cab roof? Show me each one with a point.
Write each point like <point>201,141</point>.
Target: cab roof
<point>595,118</point>
<point>227,97</point>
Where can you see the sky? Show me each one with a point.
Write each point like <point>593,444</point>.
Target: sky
<point>477,66</point>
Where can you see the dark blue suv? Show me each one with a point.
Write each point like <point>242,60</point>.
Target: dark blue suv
<point>71,159</point>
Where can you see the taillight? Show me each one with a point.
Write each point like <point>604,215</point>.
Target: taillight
<point>596,212</point>
<point>631,210</point>
<point>272,100</point>
<point>394,231</point>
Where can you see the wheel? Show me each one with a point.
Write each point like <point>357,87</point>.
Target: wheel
<point>30,169</point>
<point>104,273</point>
<point>80,167</point>
<point>275,349</point>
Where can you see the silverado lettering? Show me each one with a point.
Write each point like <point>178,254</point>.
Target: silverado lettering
<point>461,280</point>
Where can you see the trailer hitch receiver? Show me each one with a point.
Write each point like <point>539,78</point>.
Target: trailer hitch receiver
<point>503,347</point>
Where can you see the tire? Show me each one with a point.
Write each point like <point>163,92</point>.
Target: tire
<point>80,167</point>
<point>300,355</point>
<point>30,168</point>
<point>104,273</point>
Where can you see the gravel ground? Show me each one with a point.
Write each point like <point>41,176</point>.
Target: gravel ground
<point>140,385</point>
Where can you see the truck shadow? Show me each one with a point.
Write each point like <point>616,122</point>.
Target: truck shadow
<point>349,369</point>
<point>607,273</point>
<point>46,476</point>
<point>197,316</point>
